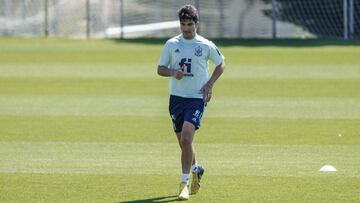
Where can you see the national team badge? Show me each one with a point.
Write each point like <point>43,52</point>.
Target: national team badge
<point>198,51</point>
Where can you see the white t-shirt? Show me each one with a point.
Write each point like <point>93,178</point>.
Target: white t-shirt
<point>194,54</point>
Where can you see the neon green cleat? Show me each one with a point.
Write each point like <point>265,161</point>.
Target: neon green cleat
<point>184,191</point>
<point>195,184</point>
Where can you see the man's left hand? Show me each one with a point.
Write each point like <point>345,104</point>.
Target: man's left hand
<point>207,91</point>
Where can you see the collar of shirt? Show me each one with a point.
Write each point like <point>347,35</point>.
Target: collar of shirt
<point>188,40</point>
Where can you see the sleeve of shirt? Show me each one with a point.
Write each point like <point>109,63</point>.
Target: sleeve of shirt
<point>165,56</point>
<point>215,55</point>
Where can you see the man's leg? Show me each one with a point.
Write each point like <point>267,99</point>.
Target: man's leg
<point>178,135</point>
<point>187,157</point>
<point>187,153</point>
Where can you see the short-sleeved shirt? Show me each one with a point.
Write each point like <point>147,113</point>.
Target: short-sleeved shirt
<point>194,54</point>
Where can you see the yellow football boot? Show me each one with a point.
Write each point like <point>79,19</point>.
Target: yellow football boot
<point>184,191</point>
<point>195,184</point>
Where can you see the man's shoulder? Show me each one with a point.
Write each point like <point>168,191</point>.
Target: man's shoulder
<point>173,40</point>
<point>203,40</point>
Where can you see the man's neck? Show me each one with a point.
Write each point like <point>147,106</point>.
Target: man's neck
<point>193,37</point>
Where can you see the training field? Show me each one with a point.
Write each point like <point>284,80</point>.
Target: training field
<point>87,121</point>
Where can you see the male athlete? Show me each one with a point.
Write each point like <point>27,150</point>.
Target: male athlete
<point>185,59</point>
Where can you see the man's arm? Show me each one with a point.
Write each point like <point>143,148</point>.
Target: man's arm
<point>207,88</point>
<point>166,72</point>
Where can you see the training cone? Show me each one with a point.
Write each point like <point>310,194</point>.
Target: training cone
<point>327,168</point>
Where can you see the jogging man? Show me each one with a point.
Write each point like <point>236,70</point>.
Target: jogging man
<point>185,59</point>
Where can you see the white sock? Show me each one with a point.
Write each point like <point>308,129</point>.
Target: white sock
<point>185,177</point>
<point>194,167</point>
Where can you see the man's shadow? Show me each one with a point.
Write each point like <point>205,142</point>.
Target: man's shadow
<point>173,198</point>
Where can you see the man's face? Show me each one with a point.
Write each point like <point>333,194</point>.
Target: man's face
<point>188,28</point>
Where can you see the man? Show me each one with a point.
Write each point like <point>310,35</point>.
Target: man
<point>185,59</point>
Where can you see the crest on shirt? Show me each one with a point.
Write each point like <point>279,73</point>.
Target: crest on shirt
<point>177,50</point>
<point>198,51</point>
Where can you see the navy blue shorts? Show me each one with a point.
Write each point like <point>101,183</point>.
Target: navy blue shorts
<point>185,109</point>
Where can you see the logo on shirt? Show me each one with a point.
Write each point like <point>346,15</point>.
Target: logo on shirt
<point>198,51</point>
<point>186,63</point>
<point>177,50</point>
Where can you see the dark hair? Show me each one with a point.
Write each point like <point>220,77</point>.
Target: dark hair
<point>188,12</point>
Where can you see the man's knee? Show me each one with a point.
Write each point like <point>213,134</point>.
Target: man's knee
<point>185,140</point>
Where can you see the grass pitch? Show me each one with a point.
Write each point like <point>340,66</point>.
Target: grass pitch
<point>87,121</point>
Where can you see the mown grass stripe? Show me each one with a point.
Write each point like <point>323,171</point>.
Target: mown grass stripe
<point>161,158</point>
<point>126,70</point>
<point>157,106</point>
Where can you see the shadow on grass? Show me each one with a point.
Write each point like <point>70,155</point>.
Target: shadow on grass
<point>154,200</point>
<point>255,42</point>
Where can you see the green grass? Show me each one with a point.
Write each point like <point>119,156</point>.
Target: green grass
<point>87,121</point>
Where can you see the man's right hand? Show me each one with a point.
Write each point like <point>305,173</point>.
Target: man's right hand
<point>179,73</point>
